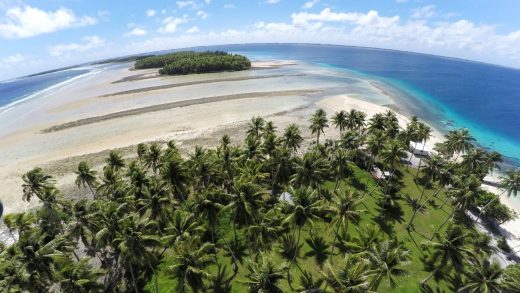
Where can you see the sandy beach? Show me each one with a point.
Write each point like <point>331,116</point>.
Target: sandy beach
<point>119,108</point>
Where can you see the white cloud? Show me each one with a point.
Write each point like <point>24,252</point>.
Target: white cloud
<point>401,1</point>
<point>460,38</point>
<point>310,4</point>
<point>371,18</point>
<point>27,21</point>
<point>150,13</point>
<point>188,4</point>
<point>90,42</point>
<point>136,32</point>
<point>10,61</point>
<point>193,30</point>
<point>424,12</point>
<point>171,24</point>
<point>202,14</point>
<point>208,2</point>
<point>229,6</point>
<point>272,1</point>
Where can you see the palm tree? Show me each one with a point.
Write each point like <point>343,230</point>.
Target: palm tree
<point>190,263</point>
<point>153,157</point>
<point>449,252</point>
<point>133,243</point>
<point>458,141</point>
<point>310,285</point>
<point>183,227</point>
<point>265,233</point>
<point>510,184</point>
<point>483,277</point>
<point>86,177</point>
<point>208,205</point>
<point>292,137</point>
<point>306,209</point>
<point>264,276</point>
<point>319,122</point>
<point>115,161</point>
<point>142,151</point>
<point>156,202</point>
<point>392,154</point>
<point>355,120</point>
<point>35,182</point>
<point>319,249</point>
<point>311,170</point>
<point>256,127</point>
<point>423,134</point>
<point>341,166</point>
<point>340,120</point>
<point>388,258</point>
<point>353,277</point>
<point>81,277</point>
<point>244,203</point>
<point>344,209</point>
<point>176,174</point>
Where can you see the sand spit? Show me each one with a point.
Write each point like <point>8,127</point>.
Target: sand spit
<point>169,86</point>
<point>172,105</point>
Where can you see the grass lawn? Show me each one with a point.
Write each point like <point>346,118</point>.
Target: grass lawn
<point>425,223</point>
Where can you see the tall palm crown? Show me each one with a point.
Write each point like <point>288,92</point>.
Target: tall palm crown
<point>34,183</point>
<point>511,182</point>
<point>256,127</point>
<point>292,137</point>
<point>483,276</point>
<point>388,259</point>
<point>265,276</point>
<point>115,160</point>
<point>392,154</point>
<point>190,264</point>
<point>449,251</point>
<point>339,119</point>
<point>458,141</point>
<point>319,122</point>
<point>86,177</point>
<point>353,277</point>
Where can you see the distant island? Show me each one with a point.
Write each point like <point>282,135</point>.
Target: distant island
<point>188,62</point>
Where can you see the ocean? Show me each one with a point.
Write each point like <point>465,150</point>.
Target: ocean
<point>444,92</point>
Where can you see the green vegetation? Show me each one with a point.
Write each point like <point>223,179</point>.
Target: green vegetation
<point>213,221</point>
<point>187,62</point>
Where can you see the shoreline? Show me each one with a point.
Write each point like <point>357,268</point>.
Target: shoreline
<point>158,108</point>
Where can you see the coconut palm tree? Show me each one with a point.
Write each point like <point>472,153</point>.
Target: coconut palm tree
<point>306,209</point>
<point>341,166</point>
<point>319,122</point>
<point>339,120</point>
<point>86,177</point>
<point>153,157</point>
<point>244,202</point>
<point>81,277</point>
<point>174,171</point>
<point>424,132</point>
<point>353,276</point>
<point>208,205</point>
<point>190,263</point>
<point>311,170</point>
<point>510,184</point>
<point>448,251</point>
<point>355,120</point>
<point>458,142</point>
<point>156,203</point>
<point>35,182</point>
<point>319,249</point>
<point>142,151</point>
<point>387,259</point>
<point>134,242</point>
<point>182,227</point>
<point>115,160</point>
<point>344,210</point>
<point>292,137</point>
<point>483,276</point>
<point>264,276</point>
<point>256,127</point>
<point>264,233</point>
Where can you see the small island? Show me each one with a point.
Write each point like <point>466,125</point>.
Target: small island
<point>189,62</point>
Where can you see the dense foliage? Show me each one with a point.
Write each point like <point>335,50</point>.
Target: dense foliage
<point>266,216</point>
<point>187,62</point>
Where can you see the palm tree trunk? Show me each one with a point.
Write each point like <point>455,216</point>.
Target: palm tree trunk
<point>133,278</point>
<point>334,241</point>
<point>417,209</point>
<point>155,279</point>
<point>444,223</point>
<point>486,206</point>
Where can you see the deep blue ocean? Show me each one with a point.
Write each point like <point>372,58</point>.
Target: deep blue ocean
<point>447,93</point>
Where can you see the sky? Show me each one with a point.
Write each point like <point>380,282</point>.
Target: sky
<point>37,35</point>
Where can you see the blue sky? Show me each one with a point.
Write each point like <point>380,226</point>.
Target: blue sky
<point>45,34</point>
